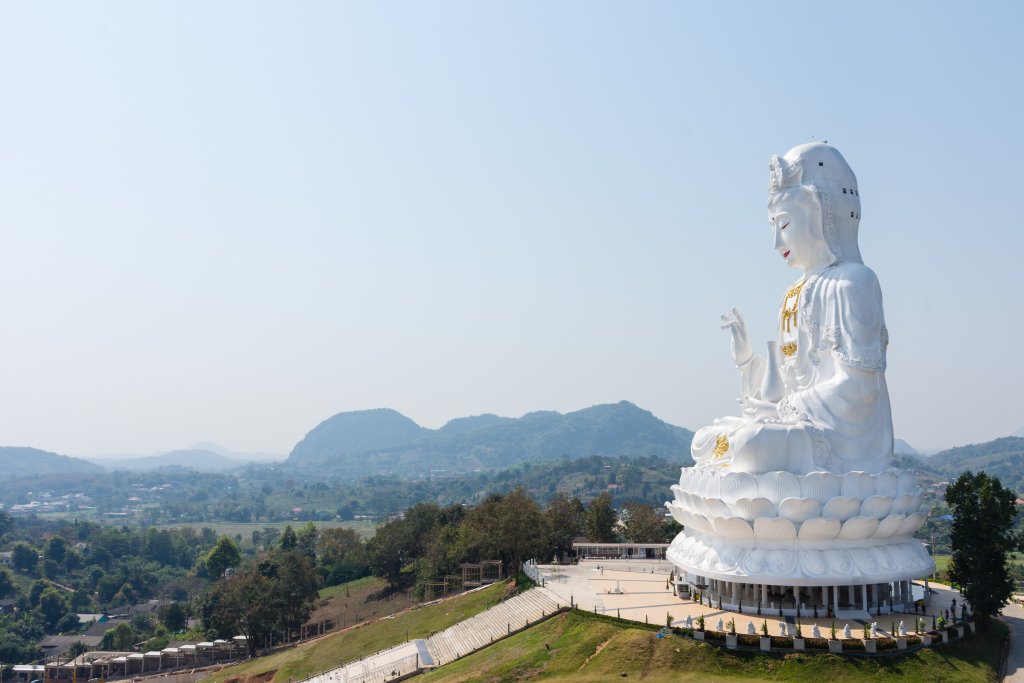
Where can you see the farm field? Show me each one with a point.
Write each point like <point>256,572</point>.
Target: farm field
<point>364,528</point>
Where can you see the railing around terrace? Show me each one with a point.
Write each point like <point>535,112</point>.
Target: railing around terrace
<point>531,569</point>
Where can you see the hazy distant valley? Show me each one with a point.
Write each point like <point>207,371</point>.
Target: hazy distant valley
<point>374,463</point>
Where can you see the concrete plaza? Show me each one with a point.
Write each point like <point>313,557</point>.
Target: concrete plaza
<point>639,590</point>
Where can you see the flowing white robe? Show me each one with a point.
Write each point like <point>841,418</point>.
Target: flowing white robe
<point>835,414</point>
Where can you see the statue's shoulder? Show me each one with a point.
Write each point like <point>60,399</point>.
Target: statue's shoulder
<point>851,277</point>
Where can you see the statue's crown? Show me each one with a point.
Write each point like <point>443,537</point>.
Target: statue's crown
<point>814,163</point>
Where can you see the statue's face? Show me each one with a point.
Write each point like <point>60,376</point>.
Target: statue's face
<point>796,231</point>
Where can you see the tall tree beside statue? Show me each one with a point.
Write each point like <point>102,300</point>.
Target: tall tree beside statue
<point>982,539</point>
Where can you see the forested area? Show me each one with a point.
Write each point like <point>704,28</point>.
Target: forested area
<point>265,586</point>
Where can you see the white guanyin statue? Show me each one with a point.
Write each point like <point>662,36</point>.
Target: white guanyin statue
<point>795,502</point>
<point>818,402</point>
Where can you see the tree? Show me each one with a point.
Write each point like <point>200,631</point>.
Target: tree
<point>6,523</point>
<point>240,604</point>
<point>600,519</point>
<point>565,519</point>
<point>510,527</point>
<point>55,549</point>
<point>643,524</point>
<point>174,616</point>
<point>24,557</point>
<point>6,583</point>
<point>982,539</point>
<point>342,556</point>
<point>119,638</point>
<point>388,550</point>
<point>53,606</point>
<point>222,557</point>
<point>306,540</point>
<point>288,539</point>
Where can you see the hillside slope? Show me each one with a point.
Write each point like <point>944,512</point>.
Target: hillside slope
<point>17,461</point>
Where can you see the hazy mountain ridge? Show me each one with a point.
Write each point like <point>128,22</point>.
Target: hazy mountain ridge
<point>486,441</point>
<point>23,461</point>
<point>188,458</point>
<point>1003,458</point>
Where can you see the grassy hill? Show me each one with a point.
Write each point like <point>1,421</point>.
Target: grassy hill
<point>584,647</point>
<point>580,647</point>
<point>323,654</point>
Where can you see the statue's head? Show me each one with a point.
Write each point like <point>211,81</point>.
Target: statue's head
<point>814,206</point>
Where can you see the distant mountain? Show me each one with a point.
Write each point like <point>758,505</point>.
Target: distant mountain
<point>16,461</point>
<point>384,441</point>
<point>461,425</point>
<point>1019,432</point>
<point>1003,458</point>
<point>903,447</point>
<point>199,460</point>
<point>256,456</point>
<point>354,432</point>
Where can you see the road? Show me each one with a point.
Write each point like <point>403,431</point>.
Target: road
<point>1013,615</point>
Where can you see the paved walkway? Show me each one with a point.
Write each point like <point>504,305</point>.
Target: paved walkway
<point>637,590</point>
<point>1013,615</point>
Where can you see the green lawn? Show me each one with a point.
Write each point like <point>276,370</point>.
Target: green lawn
<point>327,653</point>
<point>578,646</point>
<point>340,589</point>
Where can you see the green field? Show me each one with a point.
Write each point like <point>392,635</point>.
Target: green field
<point>577,646</point>
<point>364,528</point>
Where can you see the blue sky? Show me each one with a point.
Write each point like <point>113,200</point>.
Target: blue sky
<point>229,221</point>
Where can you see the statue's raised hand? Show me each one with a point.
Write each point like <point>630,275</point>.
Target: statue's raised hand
<point>741,351</point>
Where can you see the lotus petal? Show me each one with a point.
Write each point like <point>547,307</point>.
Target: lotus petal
<point>821,486</point>
<point>858,527</point>
<point>700,523</point>
<point>686,478</point>
<point>820,529</point>
<point>733,527</point>
<point>908,481</point>
<point>858,485</point>
<point>778,485</point>
<point>887,483</point>
<point>736,485</point>
<point>904,504</point>
<point>799,509</point>
<point>841,508</point>
<point>753,508</point>
<point>676,511</point>
<point>876,507</point>
<point>775,529</point>
<point>712,485</point>
<point>890,526</point>
<point>911,524</point>
<point>918,499</point>
<point>716,508</point>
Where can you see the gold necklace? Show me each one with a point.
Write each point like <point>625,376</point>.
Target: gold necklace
<point>789,314</point>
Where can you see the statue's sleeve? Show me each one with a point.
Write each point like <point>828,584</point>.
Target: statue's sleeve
<point>857,331</point>
<point>751,377</point>
<point>854,330</point>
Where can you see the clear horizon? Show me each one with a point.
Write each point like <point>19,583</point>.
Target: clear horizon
<point>229,222</point>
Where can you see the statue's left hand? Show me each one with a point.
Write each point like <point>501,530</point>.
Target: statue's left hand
<point>759,410</point>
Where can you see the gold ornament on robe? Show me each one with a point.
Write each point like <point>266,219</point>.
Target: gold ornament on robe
<point>790,306</point>
<point>788,349</point>
<point>721,446</point>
